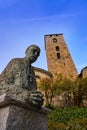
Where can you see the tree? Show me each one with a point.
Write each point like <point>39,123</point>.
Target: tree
<point>80,91</point>
<point>45,86</point>
<point>74,92</point>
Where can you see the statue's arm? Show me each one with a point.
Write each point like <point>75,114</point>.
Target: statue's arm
<point>35,83</point>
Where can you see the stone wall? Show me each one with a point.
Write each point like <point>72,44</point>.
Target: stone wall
<point>41,73</point>
<point>59,59</point>
<point>84,72</point>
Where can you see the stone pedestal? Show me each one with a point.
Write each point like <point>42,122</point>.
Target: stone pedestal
<point>16,114</point>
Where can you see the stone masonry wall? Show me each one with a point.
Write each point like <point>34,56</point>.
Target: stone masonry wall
<point>84,72</point>
<point>59,59</point>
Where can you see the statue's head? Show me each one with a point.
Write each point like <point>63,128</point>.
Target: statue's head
<point>32,53</point>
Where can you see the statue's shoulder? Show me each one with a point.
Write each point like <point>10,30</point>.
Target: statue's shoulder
<point>13,64</point>
<point>16,60</point>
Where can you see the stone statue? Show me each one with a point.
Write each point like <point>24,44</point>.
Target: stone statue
<point>18,78</point>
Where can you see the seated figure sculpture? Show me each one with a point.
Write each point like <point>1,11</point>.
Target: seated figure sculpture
<point>18,78</point>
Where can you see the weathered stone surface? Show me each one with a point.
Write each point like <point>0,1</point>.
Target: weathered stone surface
<point>16,91</point>
<point>83,73</point>
<point>15,75</point>
<point>3,117</point>
<point>19,72</point>
<point>21,119</point>
<point>59,59</point>
<point>16,114</point>
<point>18,78</point>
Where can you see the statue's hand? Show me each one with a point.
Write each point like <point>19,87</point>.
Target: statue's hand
<point>36,99</point>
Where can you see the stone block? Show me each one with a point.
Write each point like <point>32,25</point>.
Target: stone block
<point>16,114</point>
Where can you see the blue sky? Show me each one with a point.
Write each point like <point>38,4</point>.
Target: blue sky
<point>25,22</point>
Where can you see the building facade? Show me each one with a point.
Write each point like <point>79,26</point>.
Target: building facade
<point>59,59</point>
<point>83,73</point>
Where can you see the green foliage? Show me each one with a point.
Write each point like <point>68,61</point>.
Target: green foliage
<point>68,119</point>
<point>46,86</point>
<point>73,91</point>
<point>49,106</point>
<point>67,114</point>
<point>71,118</point>
<point>79,89</point>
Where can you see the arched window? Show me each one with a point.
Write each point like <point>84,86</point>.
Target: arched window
<point>37,76</point>
<point>57,48</point>
<point>54,40</point>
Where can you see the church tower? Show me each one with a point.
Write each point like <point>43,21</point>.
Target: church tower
<point>59,60</point>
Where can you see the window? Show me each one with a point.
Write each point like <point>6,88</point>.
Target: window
<point>54,40</point>
<point>37,76</point>
<point>58,55</point>
<point>57,48</point>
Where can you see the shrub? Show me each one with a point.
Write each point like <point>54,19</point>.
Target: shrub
<point>68,119</point>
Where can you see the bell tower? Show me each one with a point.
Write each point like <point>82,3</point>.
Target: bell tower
<point>59,60</point>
